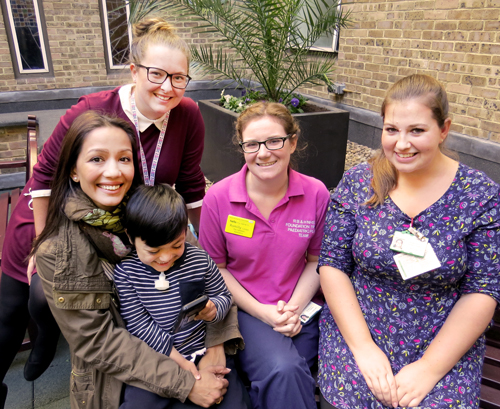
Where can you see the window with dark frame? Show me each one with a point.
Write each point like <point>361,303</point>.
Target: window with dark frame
<point>25,26</point>
<point>116,33</point>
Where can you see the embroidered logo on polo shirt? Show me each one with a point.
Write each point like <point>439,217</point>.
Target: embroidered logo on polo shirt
<point>240,226</point>
<point>305,228</point>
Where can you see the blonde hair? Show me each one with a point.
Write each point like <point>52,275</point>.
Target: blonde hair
<point>155,31</point>
<point>432,94</point>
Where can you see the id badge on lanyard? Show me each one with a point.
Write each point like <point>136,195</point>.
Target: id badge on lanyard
<point>416,255</point>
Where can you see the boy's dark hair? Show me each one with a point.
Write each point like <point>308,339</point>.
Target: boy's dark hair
<point>155,214</point>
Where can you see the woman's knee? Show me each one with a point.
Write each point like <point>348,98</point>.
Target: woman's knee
<point>13,301</point>
<point>38,307</point>
<point>289,366</point>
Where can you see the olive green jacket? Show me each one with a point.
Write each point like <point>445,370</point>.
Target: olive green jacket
<point>103,354</point>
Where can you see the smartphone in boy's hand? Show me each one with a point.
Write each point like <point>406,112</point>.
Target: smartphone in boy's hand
<point>188,312</point>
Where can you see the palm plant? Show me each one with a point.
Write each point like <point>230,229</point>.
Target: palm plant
<point>269,40</point>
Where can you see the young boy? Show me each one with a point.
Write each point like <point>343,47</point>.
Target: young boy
<point>156,222</point>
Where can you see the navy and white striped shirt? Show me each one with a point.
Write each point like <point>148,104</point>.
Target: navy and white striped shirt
<point>150,314</point>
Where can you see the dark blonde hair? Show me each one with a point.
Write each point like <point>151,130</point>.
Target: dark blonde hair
<point>155,31</point>
<point>273,109</point>
<point>429,92</point>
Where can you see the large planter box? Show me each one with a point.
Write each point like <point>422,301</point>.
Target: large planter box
<point>325,133</point>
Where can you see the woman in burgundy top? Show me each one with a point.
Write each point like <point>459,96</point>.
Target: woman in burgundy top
<point>171,129</point>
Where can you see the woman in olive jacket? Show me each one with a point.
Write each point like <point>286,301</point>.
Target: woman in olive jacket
<point>75,253</point>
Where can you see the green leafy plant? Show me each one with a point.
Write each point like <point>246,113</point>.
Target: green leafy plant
<point>266,41</point>
<point>294,102</point>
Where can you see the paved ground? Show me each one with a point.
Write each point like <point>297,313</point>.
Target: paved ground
<point>50,391</point>
<point>356,154</point>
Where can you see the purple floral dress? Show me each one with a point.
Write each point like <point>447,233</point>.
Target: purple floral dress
<point>463,228</point>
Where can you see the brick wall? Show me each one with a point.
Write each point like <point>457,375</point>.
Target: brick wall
<point>12,146</point>
<point>77,50</point>
<point>75,41</point>
<point>456,41</point>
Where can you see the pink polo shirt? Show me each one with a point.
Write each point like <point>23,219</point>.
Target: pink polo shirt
<point>269,263</point>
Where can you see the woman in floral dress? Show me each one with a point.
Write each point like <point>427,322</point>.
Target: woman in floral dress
<point>409,267</point>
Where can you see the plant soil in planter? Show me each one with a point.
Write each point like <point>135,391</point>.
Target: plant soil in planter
<point>324,130</point>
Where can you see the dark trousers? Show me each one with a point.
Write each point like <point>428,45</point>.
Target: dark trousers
<point>235,398</point>
<point>278,366</point>
<point>17,301</point>
<point>14,318</point>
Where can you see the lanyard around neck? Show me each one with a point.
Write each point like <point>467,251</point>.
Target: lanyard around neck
<point>149,180</point>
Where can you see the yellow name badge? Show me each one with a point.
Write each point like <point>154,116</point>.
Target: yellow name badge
<point>240,226</point>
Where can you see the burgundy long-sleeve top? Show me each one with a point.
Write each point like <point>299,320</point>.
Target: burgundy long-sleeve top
<point>179,164</point>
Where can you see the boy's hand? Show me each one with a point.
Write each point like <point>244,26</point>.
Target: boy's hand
<point>208,313</point>
<point>191,367</point>
<point>184,363</point>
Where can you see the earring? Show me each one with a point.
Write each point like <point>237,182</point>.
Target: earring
<point>75,178</point>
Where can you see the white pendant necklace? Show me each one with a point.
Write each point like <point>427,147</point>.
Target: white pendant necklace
<point>162,283</point>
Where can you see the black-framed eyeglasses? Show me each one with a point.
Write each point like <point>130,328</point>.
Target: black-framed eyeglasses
<point>273,144</point>
<point>159,76</point>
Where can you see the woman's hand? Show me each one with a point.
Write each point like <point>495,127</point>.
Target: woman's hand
<point>281,317</point>
<point>211,387</point>
<point>31,268</point>
<point>208,313</point>
<point>292,326</point>
<point>414,382</point>
<point>467,320</point>
<point>269,314</point>
<point>376,369</point>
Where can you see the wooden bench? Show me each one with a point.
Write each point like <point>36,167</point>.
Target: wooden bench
<point>490,382</point>
<point>8,200</point>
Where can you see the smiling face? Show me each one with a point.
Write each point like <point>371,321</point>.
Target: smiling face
<point>105,167</point>
<point>163,257</point>
<point>154,100</point>
<point>265,164</point>
<point>411,136</point>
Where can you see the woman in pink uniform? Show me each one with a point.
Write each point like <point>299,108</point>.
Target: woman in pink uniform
<point>171,131</point>
<point>263,227</point>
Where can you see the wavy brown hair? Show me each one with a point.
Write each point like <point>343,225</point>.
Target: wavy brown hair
<point>429,92</point>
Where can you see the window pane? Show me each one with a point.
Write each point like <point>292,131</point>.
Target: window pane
<point>118,32</point>
<point>327,42</point>
<point>28,39</point>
